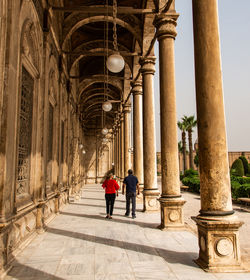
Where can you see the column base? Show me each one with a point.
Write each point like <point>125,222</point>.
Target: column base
<point>150,200</point>
<point>219,243</point>
<point>139,198</point>
<point>171,213</point>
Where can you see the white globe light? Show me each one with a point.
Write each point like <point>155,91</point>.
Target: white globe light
<point>80,146</point>
<point>115,63</point>
<point>84,152</point>
<point>107,106</point>
<point>105,140</point>
<point>105,131</point>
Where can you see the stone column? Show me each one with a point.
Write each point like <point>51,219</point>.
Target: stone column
<point>217,225</point>
<point>137,134</point>
<point>127,165</point>
<point>171,201</point>
<point>121,151</point>
<point>113,151</point>
<point>118,150</point>
<point>151,192</point>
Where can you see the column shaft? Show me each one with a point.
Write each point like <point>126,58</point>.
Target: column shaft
<point>122,150</point>
<point>171,202</point>
<point>151,191</point>
<point>137,133</point>
<point>118,150</point>
<point>127,164</point>
<point>217,227</point>
<point>213,158</point>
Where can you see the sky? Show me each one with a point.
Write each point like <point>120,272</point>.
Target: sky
<point>235,53</point>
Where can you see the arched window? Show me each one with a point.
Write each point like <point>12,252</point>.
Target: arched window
<point>24,135</point>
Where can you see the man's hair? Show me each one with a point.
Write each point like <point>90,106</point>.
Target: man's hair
<point>130,171</point>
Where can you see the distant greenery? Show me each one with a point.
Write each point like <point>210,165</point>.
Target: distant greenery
<point>192,180</point>
<point>245,164</point>
<point>237,168</point>
<point>196,159</point>
<point>240,186</point>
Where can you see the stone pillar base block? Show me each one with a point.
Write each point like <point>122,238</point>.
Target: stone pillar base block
<point>219,244</point>
<point>150,200</point>
<point>171,213</point>
<point>139,198</point>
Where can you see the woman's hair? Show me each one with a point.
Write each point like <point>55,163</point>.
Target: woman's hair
<point>109,176</point>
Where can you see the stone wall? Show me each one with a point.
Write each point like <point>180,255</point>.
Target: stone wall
<point>41,161</point>
<point>232,156</point>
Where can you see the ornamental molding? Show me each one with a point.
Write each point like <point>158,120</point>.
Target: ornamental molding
<point>166,26</point>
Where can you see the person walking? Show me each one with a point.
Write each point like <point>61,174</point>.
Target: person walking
<point>111,190</point>
<point>132,185</point>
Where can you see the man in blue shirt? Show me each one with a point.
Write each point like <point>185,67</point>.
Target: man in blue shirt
<point>132,184</point>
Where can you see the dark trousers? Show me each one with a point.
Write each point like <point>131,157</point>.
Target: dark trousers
<point>130,196</point>
<point>110,200</point>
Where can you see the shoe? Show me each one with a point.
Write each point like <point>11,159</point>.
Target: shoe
<point>107,217</point>
<point>126,215</point>
<point>133,217</point>
<point>110,217</point>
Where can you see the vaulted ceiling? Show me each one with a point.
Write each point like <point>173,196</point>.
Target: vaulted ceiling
<point>87,41</point>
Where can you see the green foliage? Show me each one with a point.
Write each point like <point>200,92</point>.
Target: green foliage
<point>193,183</point>
<point>241,180</point>
<point>190,173</point>
<point>189,122</point>
<point>239,190</point>
<point>237,168</point>
<point>235,187</point>
<point>196,159</point>
<point>245,164</point>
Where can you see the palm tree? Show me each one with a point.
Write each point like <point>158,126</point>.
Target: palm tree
<point>190,123</point>
<point>182,127</point>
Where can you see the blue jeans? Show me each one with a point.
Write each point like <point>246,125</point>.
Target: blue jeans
<point>130,196</point>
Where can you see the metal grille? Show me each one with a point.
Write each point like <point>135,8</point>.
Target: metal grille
<point>25,133</point>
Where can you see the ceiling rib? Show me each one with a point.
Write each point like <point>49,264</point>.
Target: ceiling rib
<point>103,10</point>
<point>89,53</point>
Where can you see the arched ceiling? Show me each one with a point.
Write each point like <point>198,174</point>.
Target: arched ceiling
<point>87,40</point>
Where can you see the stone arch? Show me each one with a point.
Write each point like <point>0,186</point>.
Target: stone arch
<point>29,38</point>
<point>97,49</point>
<point>88,82</point>
<point>80,20</point>
<point>31,35</point>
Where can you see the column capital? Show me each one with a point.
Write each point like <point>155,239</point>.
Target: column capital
<point>166,26</point>
<point>136,87</point>
<point>147,65</point>
<point>127,109</point>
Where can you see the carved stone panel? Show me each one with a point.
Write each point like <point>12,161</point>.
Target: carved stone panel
<point>24,134</point>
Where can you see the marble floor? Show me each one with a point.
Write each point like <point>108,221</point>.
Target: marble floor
<point>81,244</point>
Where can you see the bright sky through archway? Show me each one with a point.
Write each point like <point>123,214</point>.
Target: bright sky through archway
<point>235,52</point>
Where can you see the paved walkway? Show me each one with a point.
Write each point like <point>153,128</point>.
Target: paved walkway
<point>81,244</point>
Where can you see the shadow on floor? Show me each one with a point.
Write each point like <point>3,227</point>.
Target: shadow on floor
<point>101,199</point>
<point>127,221</point>
<point>93,198</point>
<point>94,191</point>
<point>21,271</point>
<point>94,205</point>
<point>169,256</point>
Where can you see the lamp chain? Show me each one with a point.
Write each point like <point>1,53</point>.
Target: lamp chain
<point>114,25</point>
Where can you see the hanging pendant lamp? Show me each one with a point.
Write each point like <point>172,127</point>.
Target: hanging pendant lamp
<point>115,62</point>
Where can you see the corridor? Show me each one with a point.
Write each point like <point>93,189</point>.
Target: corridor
<point>81,244</point>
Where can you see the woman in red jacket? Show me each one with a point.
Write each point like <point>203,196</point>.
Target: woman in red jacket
<point>111,189</point>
